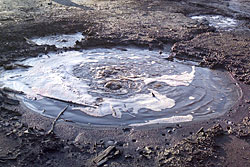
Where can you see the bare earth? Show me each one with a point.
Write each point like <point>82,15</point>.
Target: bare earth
<point>224,141</point>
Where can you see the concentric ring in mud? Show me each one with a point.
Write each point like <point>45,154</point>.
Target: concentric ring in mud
<point>115,86</point>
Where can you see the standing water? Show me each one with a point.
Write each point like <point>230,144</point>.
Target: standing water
<point>60,41</point>
<point>121,86</point>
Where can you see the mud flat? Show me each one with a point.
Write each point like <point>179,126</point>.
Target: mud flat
<point>150,25</point>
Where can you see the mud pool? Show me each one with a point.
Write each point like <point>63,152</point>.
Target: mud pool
<point>121,86</point>
<point>60,41</point>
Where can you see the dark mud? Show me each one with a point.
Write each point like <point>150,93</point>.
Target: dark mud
<point>23,137</point>
<point>228,50</point>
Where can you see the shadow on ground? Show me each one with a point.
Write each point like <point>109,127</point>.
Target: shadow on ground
<point>72,4</point>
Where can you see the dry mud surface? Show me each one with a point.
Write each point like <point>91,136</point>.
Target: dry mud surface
<point>224,141</point>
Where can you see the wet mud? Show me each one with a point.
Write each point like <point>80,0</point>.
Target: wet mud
<point>24,136</point>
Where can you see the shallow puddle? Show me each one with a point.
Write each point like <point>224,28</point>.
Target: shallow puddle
<point>121,86</point>
<point>60,41</point>
<point>217,21</point>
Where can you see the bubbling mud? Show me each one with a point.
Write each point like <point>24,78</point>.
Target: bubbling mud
<point>121,86</point>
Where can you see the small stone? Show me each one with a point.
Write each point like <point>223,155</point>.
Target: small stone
<point>134,140</point>
<point>148,150</point>
<point>117,152</point>
<point>17,124</point>
<point>230,131</point>
<point>189,159</point>
<point>64,40</point>
<point>14,118</point>
<point>128,156</point>
<point>110,143</point>
<point>48,162</point>
<point>126,129</point>
<point>8,134</point>
<point>7,124</point>
<point>26,131</point>
<point>66,148</point>
<point>120,143</point>
<point>178,125</point>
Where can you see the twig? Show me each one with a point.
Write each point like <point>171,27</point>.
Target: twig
<point>23,66</point>
<point>58,116</point>
<point>6,158</point>
<point>71,102</point>
<point>7,89</point>
<point>113,110</point>
<point>30,41</point>
<point>131,115</point>
<point>155,96</point>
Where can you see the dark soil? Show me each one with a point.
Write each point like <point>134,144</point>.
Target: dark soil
<point>224,141</point>
<point>229,50</point>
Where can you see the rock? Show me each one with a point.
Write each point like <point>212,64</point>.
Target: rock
<point>148,150</point>
<point>110,143</point>
<point>134,140</point>
<point>178,125</point>
<point>128,156</point>
<point>126,129</point>
<point>7,124</point>
<point>170,58</point>
<point>170,131</point>
<point>26,131</point>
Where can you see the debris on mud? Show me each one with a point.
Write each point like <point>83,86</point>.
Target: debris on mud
<point>241,130</point>
<point>198,149</point>
<point>105,155</point>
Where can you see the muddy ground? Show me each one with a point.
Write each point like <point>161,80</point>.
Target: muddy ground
<point>223,141</point>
